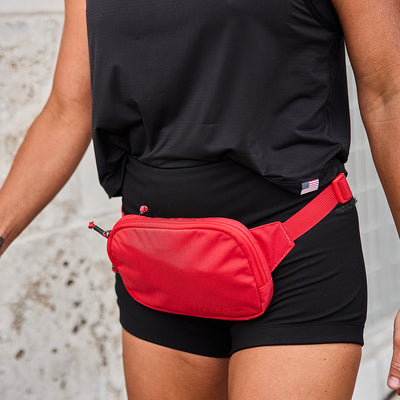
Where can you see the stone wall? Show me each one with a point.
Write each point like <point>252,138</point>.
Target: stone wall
<point>382,259</point>
<point>59,331</point>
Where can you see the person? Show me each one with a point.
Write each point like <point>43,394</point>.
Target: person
<point>234,109</point>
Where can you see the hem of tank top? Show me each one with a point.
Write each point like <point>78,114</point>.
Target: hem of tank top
<point>290,184</point>
<point>112,190</point>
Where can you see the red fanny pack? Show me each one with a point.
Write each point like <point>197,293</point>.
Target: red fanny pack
<point>209,267</point>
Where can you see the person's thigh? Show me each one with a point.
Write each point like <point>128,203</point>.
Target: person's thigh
<point>301,372</point>
<point>154,372</point>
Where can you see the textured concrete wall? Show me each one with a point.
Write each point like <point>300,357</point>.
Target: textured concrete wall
<point>59,331</point>
<point>382,258</point>
<point>30,6</point>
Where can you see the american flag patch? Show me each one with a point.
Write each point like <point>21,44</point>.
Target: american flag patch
<point>310,186</point>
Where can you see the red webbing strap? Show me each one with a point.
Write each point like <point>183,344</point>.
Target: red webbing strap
<point>318,208</point>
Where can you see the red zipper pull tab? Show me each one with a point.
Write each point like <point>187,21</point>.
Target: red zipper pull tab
<point>102,232</point>
<point>143,209</point>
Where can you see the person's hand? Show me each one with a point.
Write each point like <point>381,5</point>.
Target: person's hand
<point>394,373</point>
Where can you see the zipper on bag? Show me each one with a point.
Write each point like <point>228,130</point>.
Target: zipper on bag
<point>102,232</point>
<point>233,229</point>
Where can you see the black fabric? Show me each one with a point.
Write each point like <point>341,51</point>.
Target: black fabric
<point>324,13</point>
<point>219,189</point>
<point>180,83</point>
<point>320,297</point>
<point>319,288</point>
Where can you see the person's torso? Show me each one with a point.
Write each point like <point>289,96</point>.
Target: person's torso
<point>180,83</point>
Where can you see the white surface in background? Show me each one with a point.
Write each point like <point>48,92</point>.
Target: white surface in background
<point>30,6</point>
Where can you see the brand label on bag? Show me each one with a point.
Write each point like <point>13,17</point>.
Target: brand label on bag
<point>218,309</point>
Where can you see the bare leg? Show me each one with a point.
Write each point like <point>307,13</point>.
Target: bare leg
<point>154,372</point>
<point>307,372</point>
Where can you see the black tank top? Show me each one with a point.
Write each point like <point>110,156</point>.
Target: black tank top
<point>181,83</point>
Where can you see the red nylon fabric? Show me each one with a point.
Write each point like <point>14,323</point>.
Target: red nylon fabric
<point>171,265</point>
<point>210,267</point>
<point>274,242</point>
<point>318,208</point>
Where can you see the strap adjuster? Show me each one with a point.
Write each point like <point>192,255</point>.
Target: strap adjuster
<point>341,188</point>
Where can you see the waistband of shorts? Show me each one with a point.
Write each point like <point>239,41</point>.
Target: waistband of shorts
<point>218,189</point>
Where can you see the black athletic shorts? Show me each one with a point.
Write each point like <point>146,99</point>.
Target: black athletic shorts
<point>320,291</point>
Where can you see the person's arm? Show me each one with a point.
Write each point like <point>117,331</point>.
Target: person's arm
<point>57,139</point>
<point>372,35</point>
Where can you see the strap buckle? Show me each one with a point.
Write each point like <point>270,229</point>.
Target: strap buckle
<point>341,188</point>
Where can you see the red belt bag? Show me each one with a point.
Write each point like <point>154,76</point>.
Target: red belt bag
<point>210,267</point>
